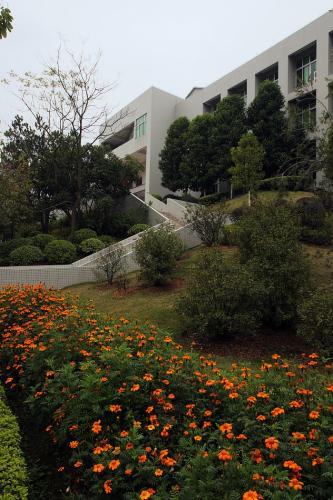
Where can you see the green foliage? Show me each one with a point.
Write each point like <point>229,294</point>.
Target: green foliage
<point>285,183</point>
<point>311,212</point>
<point>221,297</point>
<point>83,234</point>
<point>107,239</point>
<point>60,252</point>
<point>248,158</point>
<point>91,245</point>
<point>121,223</point>
<point>328,155</point>
<point>41,240</point>
<point>6,247</point>
<point>207,222</point>
<point>137,228</point>
<point>13,472</point>
<point>209,199</point>
<point>6,22</point>
<point>157,196</point>
<point>156,252</point>
<point>268,240</point>
<point>173,154</point>
<point>230,234</point>
<point>26,255</point>
<point>321,236</point>
<point>315,319</point>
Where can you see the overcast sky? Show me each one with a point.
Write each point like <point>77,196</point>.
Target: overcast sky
<point>171,44</point>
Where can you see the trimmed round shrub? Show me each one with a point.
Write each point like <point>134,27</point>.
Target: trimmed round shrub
<point>107,239</point>
<point>311,212</point>
<point>6,247</point>
<point>315,319</point>
<point>91,245</point>
<point>60,252</point>
<point>26,256</point>
<point>83,234</point>
<point>41,240</point>
<point>137,228</point>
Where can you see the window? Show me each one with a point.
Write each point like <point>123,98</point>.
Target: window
<point>306,110</point>
<point>141,126</point>
<point>306,69</point>
<point>240,89</point>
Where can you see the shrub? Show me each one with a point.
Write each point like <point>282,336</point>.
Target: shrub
<point>237,213</point>
<point>315,319</point>
<point>107,239</point>
<point>326,198</point>
<point>230,235</point>
<point>157,196</point>
<point>268,242</point>
<point>210,199</point>
<point>121,396</point>
<point>91,245</point>
<point>41,240</point>
<point>6,247</point>
<point>111,262</point>
<point>156,252</point>
<point>221,297</point>
<point>13,473</point>
<point>120,224</point>
<point>137,228</point>
<point>311,212</point>
<point>207,222</point>
<point>322,236</point>
<point>26,256</point>
<point>286,183</point>
<point>60,252</point>
<point>83,234</point>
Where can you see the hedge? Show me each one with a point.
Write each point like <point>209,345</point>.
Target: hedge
<point>13,472</point>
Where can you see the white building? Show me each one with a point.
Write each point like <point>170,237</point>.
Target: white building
<point>305,58</point>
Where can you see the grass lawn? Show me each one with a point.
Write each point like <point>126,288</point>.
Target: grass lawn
<point>240,201</point>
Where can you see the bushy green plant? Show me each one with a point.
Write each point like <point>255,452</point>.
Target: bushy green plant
<point>60,252</point>
<point>83,234</point>
<point>41,240</point>
<point>130,414</point>
<point>285,183</point>
<point>121,223</point>
<point>137,228</point>
<point>13,471</point>
<point>221,297</point>
<point>156,252</point>
<point>230,235</point>
<point>315,319</point>
<point>321,236</point>
<point>210,199</point>
<point>268,239</point>
<point>311,212</point>
<point>157,196</point>
<point>207,222</point>
<point>6,247</point>
<point>91,245</point>
<point>26,256</point>
<point>107,239</point>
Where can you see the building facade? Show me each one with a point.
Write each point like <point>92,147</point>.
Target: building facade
<point>302,64</point>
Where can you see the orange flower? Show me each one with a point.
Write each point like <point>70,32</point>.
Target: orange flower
<point>148,377</point>
<point>159,472</point>
<point>251,495</point>
<point>277,411</point>
<point>78,464</point>
<point>317,461</point>
<point>73,444</point>
<point>298,436</point>
<point>145,494</point>
<point>296,404</point>
<point>107,486</point>
<point>96,427</point>
<point>314,415</point>
<point>224,455</point>
<point>142,459</point>
<point>293,466</point>
<point>128,472</point>
<point>115,408</point>
<point>197,438</point>
<point>114,464</point>
<point>135,387</point>
<point>272,443</point>
<point>123,434</point>
<point>261,418</point>
<point>98,468</point>
<point>233,395</point>
<point>225,427</point>
<point>330,439</point>
<point>295,484</point>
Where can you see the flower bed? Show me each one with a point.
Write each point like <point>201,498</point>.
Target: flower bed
<point>131,415</point>
<point>13,474</point>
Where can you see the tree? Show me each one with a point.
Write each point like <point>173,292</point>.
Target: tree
<point>328,155</point>
<point>69,102</point>
<point>207,222</point>
<point>229,126</point>
<point>248,158</point>
<point>6,22</point>
<point>221,297</point>
<point>198,166</point>
<point>268,240</point>
<point>172,155</point>
<point>111,262</point>
<point>267,119</point>
<point>156,252</point>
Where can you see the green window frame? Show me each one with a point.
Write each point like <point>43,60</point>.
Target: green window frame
<point>141,126</point>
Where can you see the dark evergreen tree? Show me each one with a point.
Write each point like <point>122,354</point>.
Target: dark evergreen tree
<point>173,154</point>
